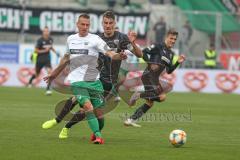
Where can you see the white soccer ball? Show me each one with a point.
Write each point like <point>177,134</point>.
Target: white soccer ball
<point>178,138</point>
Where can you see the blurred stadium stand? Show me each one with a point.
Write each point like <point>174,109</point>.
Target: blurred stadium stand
<point>205,18</point>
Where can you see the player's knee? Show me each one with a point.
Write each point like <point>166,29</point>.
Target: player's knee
<point>149,103</point>
<point>170,86</point>
<point>162,97</point>
<point>99,113</point>
<point>87,106</point>
<point>159,98</point>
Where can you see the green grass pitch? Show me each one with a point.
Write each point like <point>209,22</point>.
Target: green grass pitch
<point>211,122</point>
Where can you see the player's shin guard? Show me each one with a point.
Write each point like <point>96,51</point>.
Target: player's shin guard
<point>140,111</point>
<point>93,123</point>
<point>79,116</point>
<point>68,106</point>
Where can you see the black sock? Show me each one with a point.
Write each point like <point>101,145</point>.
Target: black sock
<point>48,86</point>
<point>68,106</point>
<point>101,123</point>
<point>31,79</point>
<point>140,111</point>
<point>79,116</point>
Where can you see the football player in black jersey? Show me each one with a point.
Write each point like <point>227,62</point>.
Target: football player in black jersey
<point>43,48</point>
<point>160,60</point>
<point>117,41</point>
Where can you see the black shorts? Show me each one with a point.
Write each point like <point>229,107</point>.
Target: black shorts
<point>152,89</point>
<point>108,87</point>
<point>41,64</point>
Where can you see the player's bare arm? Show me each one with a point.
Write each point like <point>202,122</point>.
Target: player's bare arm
<point>40,51</point>
<point>116,56</point>
<point>54,51</point>
<point>132,36</point>
<point>63,63</point>
<point>181,59</point>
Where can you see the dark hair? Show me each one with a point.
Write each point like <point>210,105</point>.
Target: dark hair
<point>172,32</point>
<point>84,15</point>
<point>109,14</point>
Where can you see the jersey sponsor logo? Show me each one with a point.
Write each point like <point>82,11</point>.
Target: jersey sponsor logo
<point>76,43</point>
<point>79,51</point>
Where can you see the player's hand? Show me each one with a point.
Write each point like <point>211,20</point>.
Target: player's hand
<point>181,58</point>
<point>132,36</point>
<point>123,55</point>
<point>48,79</point>
<point>48,49</point>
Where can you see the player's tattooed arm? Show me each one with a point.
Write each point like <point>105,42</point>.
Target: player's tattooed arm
<point>63,63</point>
<point>132,36</point>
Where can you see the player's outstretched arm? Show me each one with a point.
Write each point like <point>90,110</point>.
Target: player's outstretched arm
<point>132,36</point>
<point>116,56</point>
<point>180,60</point>
<point>54,51</point>
<point>63,63</point>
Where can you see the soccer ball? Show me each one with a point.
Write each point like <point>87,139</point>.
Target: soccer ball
<point>177,138</point>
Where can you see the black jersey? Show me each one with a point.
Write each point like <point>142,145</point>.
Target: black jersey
<point>41,44</point>
<point>110,69</point>
<point>163,57</point>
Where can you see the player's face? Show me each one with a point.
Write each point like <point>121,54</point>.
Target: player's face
<point>170,40</point>
<point>108,25</point>
<point>45,33</point>
<point>83,25</point>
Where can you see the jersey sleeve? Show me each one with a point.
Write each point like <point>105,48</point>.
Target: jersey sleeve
<point>154,53</point>
<point>101,45</point>
<point>39,44</point>
<point>51,40</point>
<point>67,47</point>
<point>125,43</point>
<point>172,66</point>
<point>146,55</point>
